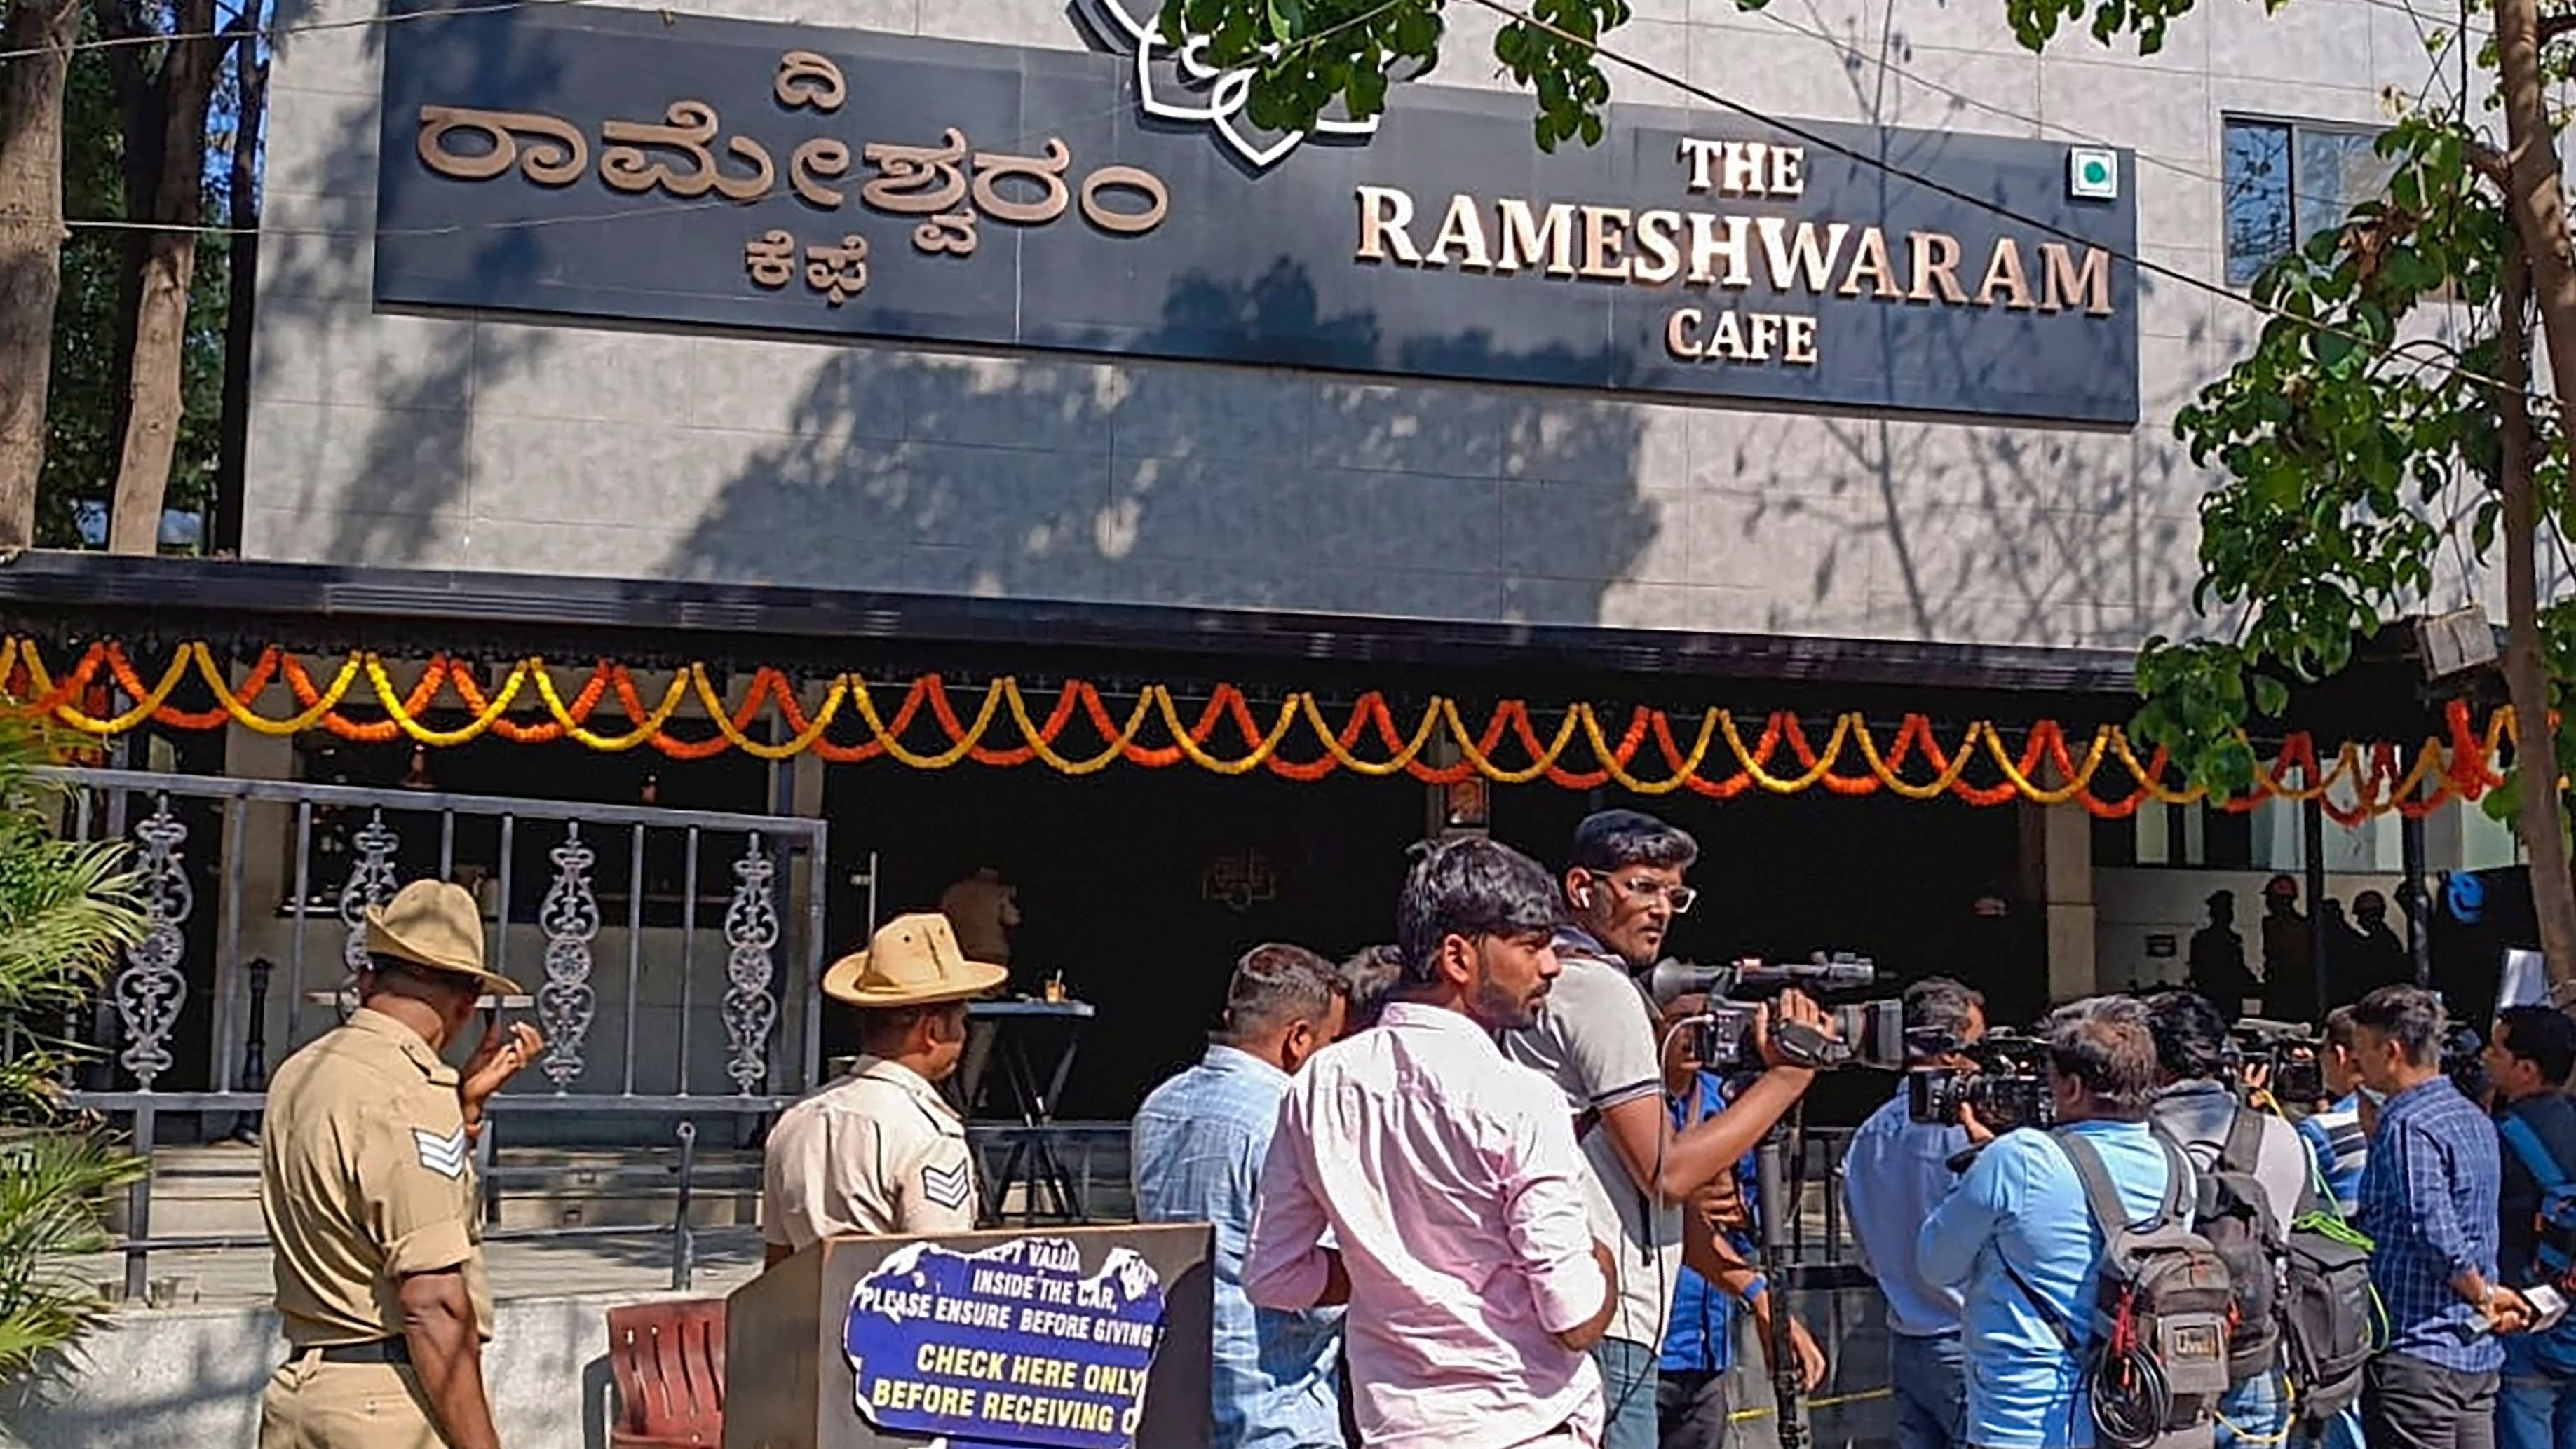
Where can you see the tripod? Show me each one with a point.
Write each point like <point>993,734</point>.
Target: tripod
<point>1788,1391</point>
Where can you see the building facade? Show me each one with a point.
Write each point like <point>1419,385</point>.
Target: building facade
<point>991,339</point>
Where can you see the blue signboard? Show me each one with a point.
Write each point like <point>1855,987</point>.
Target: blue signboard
<point>676,168</point>
<point>1012,1345</point>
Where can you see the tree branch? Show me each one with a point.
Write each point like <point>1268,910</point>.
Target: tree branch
<point>2554,26</point>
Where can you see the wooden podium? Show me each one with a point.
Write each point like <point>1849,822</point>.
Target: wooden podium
<point>1071,1338</point>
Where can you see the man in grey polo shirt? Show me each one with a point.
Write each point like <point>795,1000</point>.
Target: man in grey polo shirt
<point>1596,1039</point>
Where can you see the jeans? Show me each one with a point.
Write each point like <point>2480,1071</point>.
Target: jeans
<point>1628,1384</point>
<point>1931,1376</point>
<point>2250,1414</point>
<point>2536,1413</point>
<point>2407,1403</point>
<point>2343,1431</point>
<point>1691,1411</point>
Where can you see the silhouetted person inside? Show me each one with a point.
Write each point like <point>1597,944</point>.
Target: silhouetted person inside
<point>2289,970</point>
<point>1996,949</point>
<point>2218,969</point>
<point>2377,955</point>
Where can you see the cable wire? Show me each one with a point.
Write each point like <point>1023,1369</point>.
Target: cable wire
<point>1647,69</point>
<point>1822,142</point>
<point>270,33</point>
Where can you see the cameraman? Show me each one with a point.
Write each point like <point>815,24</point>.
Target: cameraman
<point>2530,1055</point>
<point>1895,1172</point>
<point>1597,1041</point>
<point>2017,1240</point>
<point>2334,1133</point>
<point>2196,1108</point>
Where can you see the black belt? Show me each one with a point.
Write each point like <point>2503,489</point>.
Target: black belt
<point>381,1350</point>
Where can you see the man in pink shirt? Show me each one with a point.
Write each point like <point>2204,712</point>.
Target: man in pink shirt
<point>1447,1180</point>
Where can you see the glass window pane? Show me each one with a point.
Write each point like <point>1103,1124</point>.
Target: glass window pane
<point>2257,199</point>
<point>2337,170</point>
<point>2279,843</point>
<point>2155,842</point>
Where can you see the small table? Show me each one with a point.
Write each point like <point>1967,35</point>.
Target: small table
<point>1032,1159</point>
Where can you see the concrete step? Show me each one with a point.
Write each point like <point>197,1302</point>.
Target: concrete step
<point>213,1190</point>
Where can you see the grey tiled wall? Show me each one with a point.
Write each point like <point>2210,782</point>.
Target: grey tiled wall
<point>443,442</point>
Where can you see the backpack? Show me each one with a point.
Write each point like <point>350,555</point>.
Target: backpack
<point>2302,1291</point>
<point>2555,1255</point>
<point>2161,1301</point>
<point>2329,1315</point>
<point>2234,1213</point>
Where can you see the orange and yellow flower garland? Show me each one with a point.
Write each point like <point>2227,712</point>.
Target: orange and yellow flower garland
<point>2362,782</point>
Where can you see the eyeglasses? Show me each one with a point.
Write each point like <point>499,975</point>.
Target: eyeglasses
<point>1679,897</point>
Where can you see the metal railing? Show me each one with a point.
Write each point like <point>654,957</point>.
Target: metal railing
<point>349,848</point>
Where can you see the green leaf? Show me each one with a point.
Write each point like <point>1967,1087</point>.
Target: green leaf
<point>2271,696</point>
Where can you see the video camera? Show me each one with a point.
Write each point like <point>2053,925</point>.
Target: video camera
<point>1865,1033</point>
<point>2295,1054</point>
<point>2464,1060</point>
<point>2007,1089</point>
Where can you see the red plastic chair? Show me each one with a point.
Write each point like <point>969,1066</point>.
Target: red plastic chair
<point>668,1359</point>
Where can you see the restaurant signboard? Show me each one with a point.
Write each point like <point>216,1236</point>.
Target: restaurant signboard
<point>678,169</point>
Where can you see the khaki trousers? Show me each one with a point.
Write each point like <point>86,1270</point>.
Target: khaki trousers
<point>315,1405</point>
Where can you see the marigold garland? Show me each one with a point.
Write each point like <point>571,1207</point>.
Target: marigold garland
<point>2363,781</point>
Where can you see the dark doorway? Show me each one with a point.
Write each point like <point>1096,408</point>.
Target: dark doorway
<point>1142,888</point>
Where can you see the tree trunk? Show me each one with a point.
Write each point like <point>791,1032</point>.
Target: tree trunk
<point>145,105</point>
<point>250,89</point>
<point>2526,673</point>
<point>153,388</point>
<point>31,244</point>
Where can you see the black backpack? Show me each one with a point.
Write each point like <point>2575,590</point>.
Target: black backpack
<point>2302,1290</point>
<point>2161,1296</point>
<point>2235,1214</point>
<point>2329,1315</point>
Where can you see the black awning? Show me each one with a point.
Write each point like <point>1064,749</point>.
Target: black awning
<point>77,596</point>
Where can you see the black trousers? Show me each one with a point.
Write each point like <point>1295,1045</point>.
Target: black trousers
<point>1691,1411</point>
<point>2407,1403</point>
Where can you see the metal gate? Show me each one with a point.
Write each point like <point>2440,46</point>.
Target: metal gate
<point>711,924</point>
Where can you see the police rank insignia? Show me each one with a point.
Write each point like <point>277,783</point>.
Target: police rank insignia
<point>946,1186</point>
<point>445,1156</point>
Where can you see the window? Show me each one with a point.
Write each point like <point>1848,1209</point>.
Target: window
<point>2287,181</point>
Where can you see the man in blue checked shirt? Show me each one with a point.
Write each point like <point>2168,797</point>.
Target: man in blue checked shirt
<point>1196,1151</point>
<point>1693,1409</point>
<point>2428,1202</point>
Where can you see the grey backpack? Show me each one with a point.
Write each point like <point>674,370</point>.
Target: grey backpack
<point>2156,1363</point>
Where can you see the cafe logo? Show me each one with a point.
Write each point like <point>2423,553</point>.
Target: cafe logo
<point>1176,83</point>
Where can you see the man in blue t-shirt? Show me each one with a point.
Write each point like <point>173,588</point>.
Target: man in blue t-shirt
<point>2016,1239</point>
<point>2530,1056</point>
<point>2333,1132</point>
<point>1692,1404</point>
<point>1895,1172</point>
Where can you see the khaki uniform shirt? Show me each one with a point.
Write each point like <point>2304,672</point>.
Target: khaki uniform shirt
<point>877,1153</point>
<point>365,1177</point>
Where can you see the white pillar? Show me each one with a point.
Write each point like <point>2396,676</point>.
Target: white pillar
<point>2057,874</point>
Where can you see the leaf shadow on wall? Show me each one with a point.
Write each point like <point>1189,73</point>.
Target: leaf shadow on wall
<point>1945,529</point>
<point>1143,481</point>
<point>363,418</point>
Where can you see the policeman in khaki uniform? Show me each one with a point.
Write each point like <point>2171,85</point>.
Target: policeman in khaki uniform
<point>367,1183</point>
<point>879,1151</point>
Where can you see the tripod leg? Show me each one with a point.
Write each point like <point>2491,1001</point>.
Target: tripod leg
<point>1786,1387</point>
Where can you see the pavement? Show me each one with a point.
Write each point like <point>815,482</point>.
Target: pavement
<point>520,1268</point>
